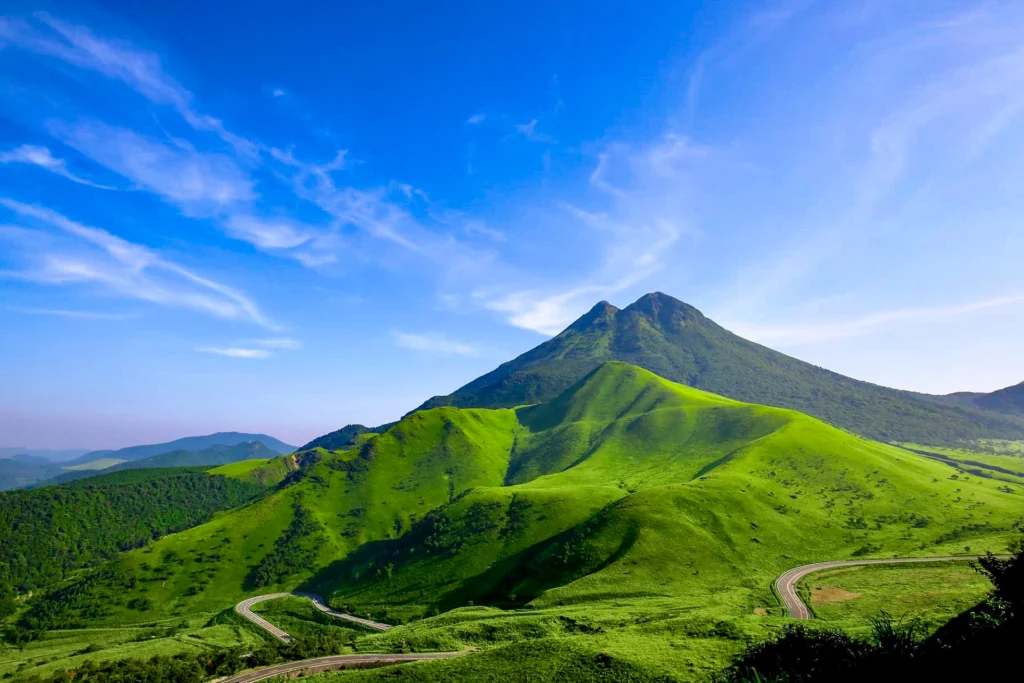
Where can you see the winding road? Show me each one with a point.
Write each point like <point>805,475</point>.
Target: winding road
<point>244,609</point>
<point>786,584</point>
<point>319,664</point>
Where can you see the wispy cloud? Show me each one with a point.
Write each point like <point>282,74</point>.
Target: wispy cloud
<point>475,119</point>
<point>282,343</point>
<point>75,314</point>
<point>41,157</point>
<point>128,269</point>
<point>434,343</point>
<point>233,352</point>
<point>640,218</point>
<point>529,131</point>
<point>140,70</point>
<point>804,333</point>
<point>199,183</point>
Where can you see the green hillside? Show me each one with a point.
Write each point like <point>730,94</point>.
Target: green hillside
<point>640,519</point>
<point>47,533</point>
<point>676,341</point>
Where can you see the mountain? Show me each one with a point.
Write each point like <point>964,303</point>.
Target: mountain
<point>52,455</point>
<point>639,520</point>
<point>676,341</point>
<point>1009,401</point>
<point>344,437</point>
<point>212,456</point>
<point>24,470</point>
<point>190,443</point>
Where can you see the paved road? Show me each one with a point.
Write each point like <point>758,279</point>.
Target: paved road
<point>334,662</point>
<point>786,584</point>
<point>244,608</point>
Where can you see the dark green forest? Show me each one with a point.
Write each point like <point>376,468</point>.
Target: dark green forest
<point>46,533</point>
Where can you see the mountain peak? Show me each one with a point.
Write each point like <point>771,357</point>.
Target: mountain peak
<point>603,313</point>
<point>664,309</point>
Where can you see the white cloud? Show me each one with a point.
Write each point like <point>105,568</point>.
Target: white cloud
<point>475,119</point>
<point>76,314</point>
<point>200,183</point>
<point>282,343</point>
<point>119,60</point>
<point>41,156</point>
<point>529,131</point>
<point>268,233</point>
<point>233,352</point>
<point>641,218</point>
<point>433,342</point>
<point>131,270</point>
<point>802,334</point>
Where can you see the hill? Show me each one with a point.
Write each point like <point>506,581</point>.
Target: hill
<point>189,443</point>
<point>46,533</point>
<point>643,519</point>
<point>1009,401</point>
<point>345,437</point>
<point>212,456</point>
<point>677,342</point>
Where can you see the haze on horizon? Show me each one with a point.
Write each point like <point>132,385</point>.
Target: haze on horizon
<point>276,219</point>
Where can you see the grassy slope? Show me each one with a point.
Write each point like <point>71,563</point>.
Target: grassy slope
<point>1008,468</point>
<point>932,592</point>
<point>358,496</point>
<point>631,516</point>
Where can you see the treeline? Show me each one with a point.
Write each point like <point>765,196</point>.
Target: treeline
<point>979,645</point>
<point>46,533</point>
<point>195,668</point>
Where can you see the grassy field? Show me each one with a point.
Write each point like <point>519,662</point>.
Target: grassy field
<point>632,526</point>
<point>65,649</point>
<point>933,593</point>
<point>1006,466</point>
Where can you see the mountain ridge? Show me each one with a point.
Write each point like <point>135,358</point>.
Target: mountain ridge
<point>188,443</point>
<point>678,342</point>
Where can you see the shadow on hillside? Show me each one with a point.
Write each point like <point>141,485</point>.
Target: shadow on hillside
<point>386,573</point>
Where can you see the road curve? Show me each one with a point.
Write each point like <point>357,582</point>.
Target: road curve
<point>786,584</point>
<point>244,609</point>
<point>334,662</point>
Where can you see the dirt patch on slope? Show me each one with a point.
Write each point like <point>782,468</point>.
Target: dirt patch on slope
<point>829,594</point>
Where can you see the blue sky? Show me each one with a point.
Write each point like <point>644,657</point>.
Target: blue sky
<point>286,218</point>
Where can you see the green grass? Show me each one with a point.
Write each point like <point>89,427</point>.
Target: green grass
<point>65,649</point>
<point>933,593</point>
<point>239,469</point>
<point>1002,466</point>
<point>632,522</point>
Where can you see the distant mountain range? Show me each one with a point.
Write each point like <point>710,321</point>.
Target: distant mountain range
<point>676,341</point>
<point>214,455</point>
<point>189,443</point>
<point>1009,401</point>
<point>214,449</point>
<point>52,455</point>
